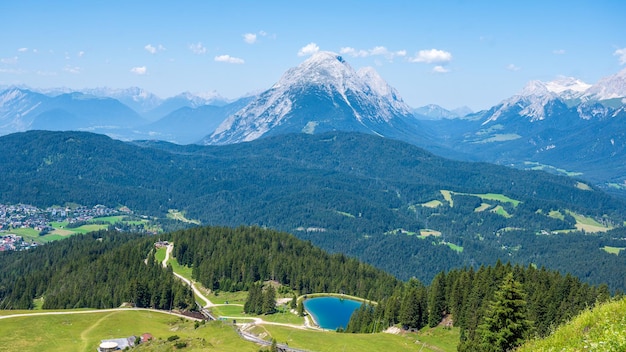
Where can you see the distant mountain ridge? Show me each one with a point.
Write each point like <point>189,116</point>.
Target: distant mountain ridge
<point>564,126</point>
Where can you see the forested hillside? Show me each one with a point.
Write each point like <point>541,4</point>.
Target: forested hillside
<point>98,270</point>
<point>234,259</point>
<point>105,269</point>
<point>388,203</point>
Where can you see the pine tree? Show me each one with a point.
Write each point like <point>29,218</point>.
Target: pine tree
<point>437,300</point>
<point>300,309</point>
<point>505,324</point>
<point>294,302</point>
<point>269,300</point>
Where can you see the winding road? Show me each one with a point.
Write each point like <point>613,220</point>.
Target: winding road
<point>198,293</point>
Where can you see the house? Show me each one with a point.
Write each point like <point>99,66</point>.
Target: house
<point>146,337</point>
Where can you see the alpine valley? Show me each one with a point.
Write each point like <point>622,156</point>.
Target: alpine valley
<point>331,157</point>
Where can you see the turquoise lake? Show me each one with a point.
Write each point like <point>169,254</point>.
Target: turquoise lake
<point>331,312</point>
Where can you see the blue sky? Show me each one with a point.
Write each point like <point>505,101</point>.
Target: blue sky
<point>451,53</point>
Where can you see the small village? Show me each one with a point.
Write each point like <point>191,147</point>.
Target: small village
<point>20,216</point>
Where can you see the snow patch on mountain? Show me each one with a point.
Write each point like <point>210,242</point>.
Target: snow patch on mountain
<point>529,102</point>
<point>610,87</point>
<point>567,87</point>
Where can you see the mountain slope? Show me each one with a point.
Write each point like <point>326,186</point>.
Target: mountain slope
<point>564,124</point>
<point>602,328</point>
<point>322,94</point>
<point>353,193</point>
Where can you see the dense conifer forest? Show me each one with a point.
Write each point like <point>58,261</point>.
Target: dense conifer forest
<point>98,270</point>
<point>349,193</point>
<point>235,259</point>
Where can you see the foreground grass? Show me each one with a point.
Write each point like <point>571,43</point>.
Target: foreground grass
<point>83,332</point>
<point>600,329</point>
<point>437,339</point>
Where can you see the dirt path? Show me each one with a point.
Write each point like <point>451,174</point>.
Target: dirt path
<point>85,333</point>
<point>168,252</point>
<point>20,315</point>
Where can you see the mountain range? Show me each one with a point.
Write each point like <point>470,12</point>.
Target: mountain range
<point>564,126</point>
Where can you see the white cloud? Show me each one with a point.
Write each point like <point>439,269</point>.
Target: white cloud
<point>81,53</point>
<point>9,60</point>
<point>249,38</point>
<point>432,56</point>
<point>154,49</point>
<point>197,48</point>
<point>22,50</point>
<point>308,49</point>
<point>512,67</point>
<point>558,52</point>
<point>150,49</point>
<point>140,70</point>
<point>353,52</point>
<point>376,51</point>
<point>229,59</point>
<point>622,55</point>
<point>72,69</point>
<point>440,69</point>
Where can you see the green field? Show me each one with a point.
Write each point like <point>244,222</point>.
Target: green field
<point>437,339</point>
<point>83,332</point>
<point>587,224</point>
<point>555,214</point>
<point>222,297</point>
<point>159,255</point>
<point>447,195</point>
<point>500,211</point>
<point>344,214</point>
<point>432,204</point>
<point>538,166</point>
<point>499,137</point>
<point>454,247</point>
<point>228,311</point>
<point>180,216</point>
<point>482,207</point>
<point>61,230</point>
<point>182,270</point>
<point>613,250</point>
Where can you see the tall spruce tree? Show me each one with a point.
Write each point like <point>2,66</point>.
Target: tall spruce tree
<point>437,300</point>
<point>505,325</point>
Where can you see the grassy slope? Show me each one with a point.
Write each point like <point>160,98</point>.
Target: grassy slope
<point>437,339</point>
<point>600,329</point>
<point>83,332</point>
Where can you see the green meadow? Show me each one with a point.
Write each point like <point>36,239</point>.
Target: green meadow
<point>83,332</point>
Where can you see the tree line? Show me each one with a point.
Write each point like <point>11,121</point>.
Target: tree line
<point>472,299</point>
